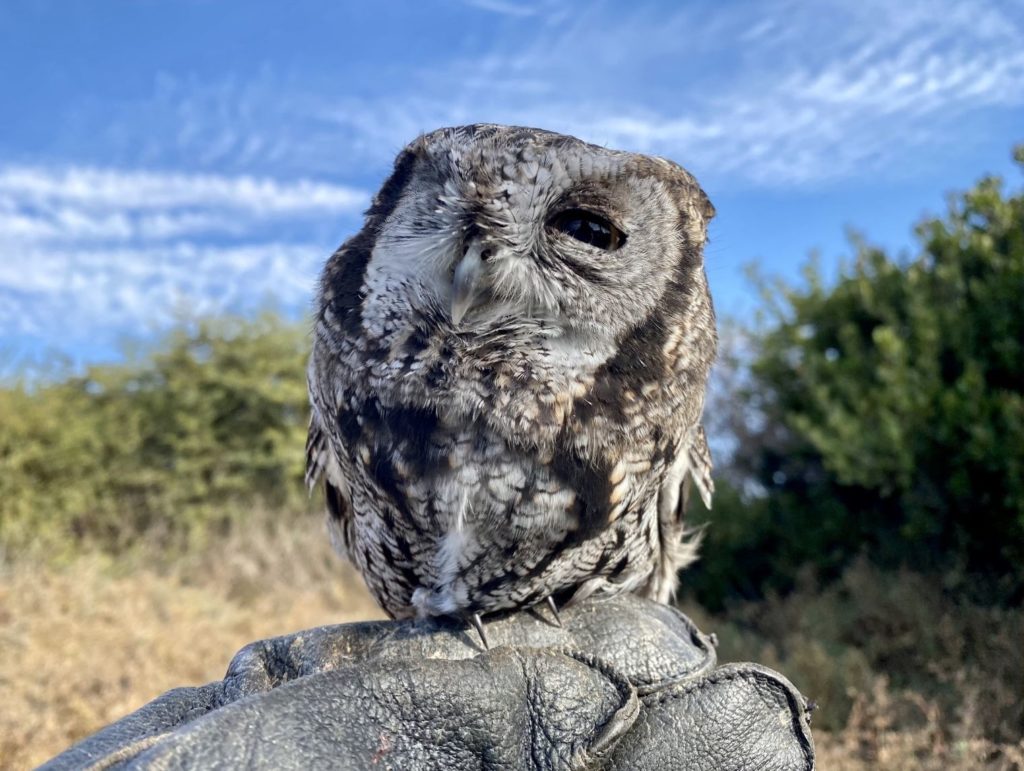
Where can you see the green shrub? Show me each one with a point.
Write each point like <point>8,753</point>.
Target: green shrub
<point>171,446</point>
<point>883,414</point>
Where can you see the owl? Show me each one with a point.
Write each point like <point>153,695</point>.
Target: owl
<point>508,374</point>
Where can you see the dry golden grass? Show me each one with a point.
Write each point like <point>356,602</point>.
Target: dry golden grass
<point>85,644</point>
<point>886,732</point>
<point>905,677</point>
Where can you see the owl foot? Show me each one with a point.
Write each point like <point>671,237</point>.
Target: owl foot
<point>478,624</point>
<point>554,611</point>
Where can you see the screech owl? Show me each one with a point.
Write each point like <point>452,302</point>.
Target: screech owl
<point>508,374</point>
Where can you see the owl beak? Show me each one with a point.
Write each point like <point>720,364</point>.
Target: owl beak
<point>466,282</point>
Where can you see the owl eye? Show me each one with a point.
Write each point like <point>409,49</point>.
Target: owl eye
<point>590,228</point>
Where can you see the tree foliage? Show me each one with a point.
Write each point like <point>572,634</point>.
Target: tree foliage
<point>207,424</point>
<point>884,413</point>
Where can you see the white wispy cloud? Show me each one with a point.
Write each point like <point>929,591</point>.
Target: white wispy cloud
<point>93,203</point>
<point>778,94</point>
<point>504,7</point>
<point>156,190</point>
<point>70,296</point>
<point>88,253</point>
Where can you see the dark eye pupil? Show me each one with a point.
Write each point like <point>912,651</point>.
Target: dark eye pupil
<point>589,228</point>
<point>589,232</point>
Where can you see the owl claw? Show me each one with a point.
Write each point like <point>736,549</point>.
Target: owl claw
<point>554,611</point>
<point>475,620</point>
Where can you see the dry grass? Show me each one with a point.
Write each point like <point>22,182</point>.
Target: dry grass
<point>905,675</point>
<point>86,644</point>
<point>888,732</point>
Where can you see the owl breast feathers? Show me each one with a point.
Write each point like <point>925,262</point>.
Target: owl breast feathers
<point>508,374</point>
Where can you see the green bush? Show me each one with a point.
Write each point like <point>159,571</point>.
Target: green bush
<point>208,423</point>
<point>884,414</point>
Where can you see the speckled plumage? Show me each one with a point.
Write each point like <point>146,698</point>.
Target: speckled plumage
<point>504,413</point>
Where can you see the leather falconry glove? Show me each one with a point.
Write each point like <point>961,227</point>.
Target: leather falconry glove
<point>624,683</point>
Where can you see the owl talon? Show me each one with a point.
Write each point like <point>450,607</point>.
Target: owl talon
<point>554,611</point>
<point>478,624</point>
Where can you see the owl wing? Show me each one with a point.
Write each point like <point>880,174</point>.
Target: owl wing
<point>699,461</point>
<point>316,453</point>
<point>691,468</point>
<point>339,299</point>
<point>321,464</point>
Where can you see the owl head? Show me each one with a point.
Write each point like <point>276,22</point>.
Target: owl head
<point>486,227</point>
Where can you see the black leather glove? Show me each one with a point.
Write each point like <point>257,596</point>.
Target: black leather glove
<point>624,684</point>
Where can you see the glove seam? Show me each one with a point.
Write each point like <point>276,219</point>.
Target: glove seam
<point>693,636</point>
<point>607,736</point>
<point>127,752</point>
<point>752,673</point>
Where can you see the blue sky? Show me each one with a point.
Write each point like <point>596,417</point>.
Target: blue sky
<point>160,159</point>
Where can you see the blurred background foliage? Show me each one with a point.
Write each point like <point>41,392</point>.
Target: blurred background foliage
<point>868,530</point>
<point>170,447</point>
<point>881,415</point>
